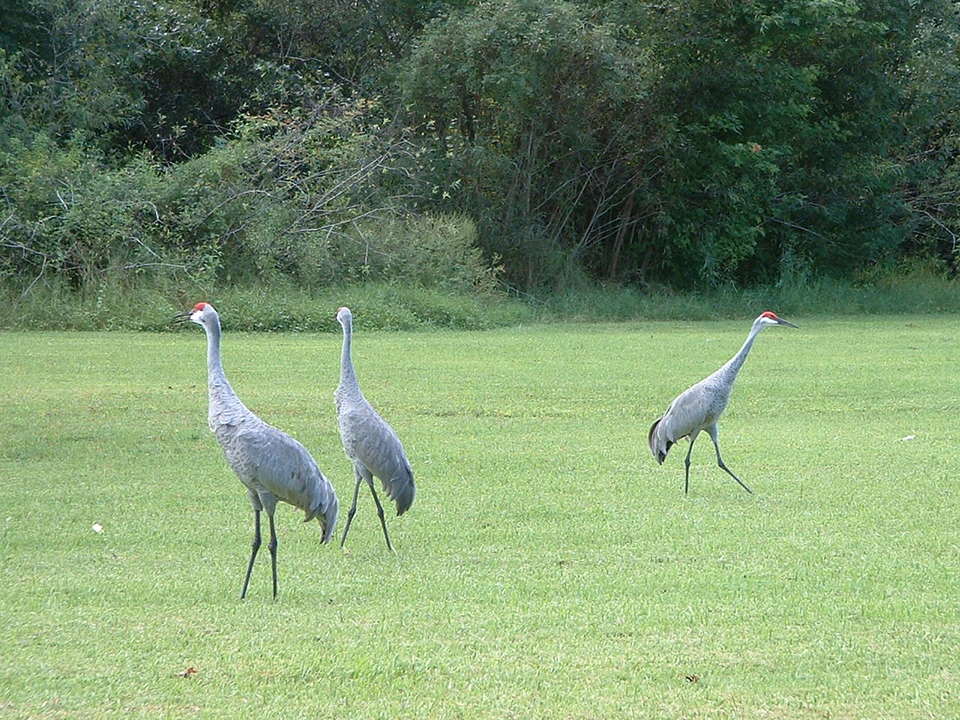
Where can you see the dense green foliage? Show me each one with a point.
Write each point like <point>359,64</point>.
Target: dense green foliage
<point>462,145</point>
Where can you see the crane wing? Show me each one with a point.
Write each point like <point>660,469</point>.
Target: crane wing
<point>688,412</point>
<point>694,409</point>
<point>284,468</point>
<point>369,440</point>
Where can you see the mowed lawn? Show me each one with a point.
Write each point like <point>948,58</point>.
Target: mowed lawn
<point>548,567</point>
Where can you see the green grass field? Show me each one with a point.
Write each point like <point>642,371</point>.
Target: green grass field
<point>548,568</point>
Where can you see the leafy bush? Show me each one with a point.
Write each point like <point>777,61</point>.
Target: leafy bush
<point>286,198</point>
<point>428,251</point>
<point>69,214</point>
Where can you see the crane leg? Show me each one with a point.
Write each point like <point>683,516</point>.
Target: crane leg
<point>272,545</point>
<point>253,552</point>
<point>686,464</point>
<point>716,445</point>
<point>383,521</point>
<point>353,508</point>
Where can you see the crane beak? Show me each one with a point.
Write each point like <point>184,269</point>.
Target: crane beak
<point>788,324</point>
<point>180,317</point>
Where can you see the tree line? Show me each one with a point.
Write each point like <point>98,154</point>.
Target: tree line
<point>464,144</point>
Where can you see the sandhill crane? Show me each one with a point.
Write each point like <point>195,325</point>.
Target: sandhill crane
<point>271,464</point>
<point>370,443</point>
<point>699,407</point>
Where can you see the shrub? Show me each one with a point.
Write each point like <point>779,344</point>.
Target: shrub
<point>429,251</point>
<point>285,199</point>
<point>70,214</point>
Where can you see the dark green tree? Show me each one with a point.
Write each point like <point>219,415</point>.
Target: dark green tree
<point>534,122</point>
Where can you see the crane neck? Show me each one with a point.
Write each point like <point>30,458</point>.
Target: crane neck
<point>736,362</point>
<point>348,378</point>
<point>216,378</point>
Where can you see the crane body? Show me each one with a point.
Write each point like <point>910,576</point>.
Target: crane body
<point>368,440</point>
<point>699,407</point>
<point>270,464</point>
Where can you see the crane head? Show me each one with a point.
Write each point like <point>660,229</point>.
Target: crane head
<point>344,316</point>
<point>770,318</point>
<point>199,314</point>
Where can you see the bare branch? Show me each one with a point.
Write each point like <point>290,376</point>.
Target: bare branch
<point>796,227</point>
<point>144,246</point>
<point>29,287</point>
<point>936,221</point>
<point>135,266</point>
<point>233,197</point>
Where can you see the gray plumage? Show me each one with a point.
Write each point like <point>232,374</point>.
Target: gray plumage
<point>699,407</point>
<point>370,443</point>
<point>271,464</point>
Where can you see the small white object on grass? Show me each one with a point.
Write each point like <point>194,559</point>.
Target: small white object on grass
<point>97,528</point>
<point>908,437</point>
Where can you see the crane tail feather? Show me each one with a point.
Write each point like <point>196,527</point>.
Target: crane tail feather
<point>651,440</point>
<point>400,488</point>
<point>655,441</point>
<point>402,493</point>
<point>326,515</point>
<point>328,520</point>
